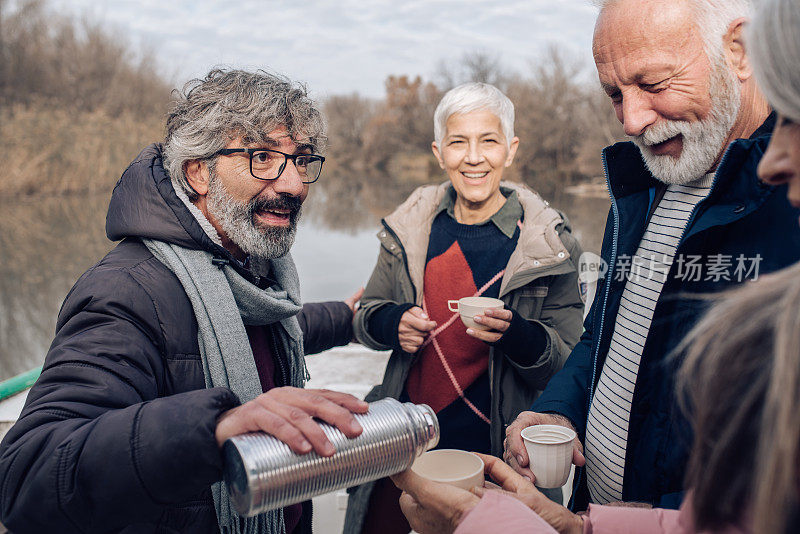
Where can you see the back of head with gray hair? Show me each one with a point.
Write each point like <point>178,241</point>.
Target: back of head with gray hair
<point>227,104</point>
<point>713,19</point>
<point>773,43</point>
<point>473,97</point>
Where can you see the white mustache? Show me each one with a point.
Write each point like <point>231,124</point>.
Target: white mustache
<point>662,131</point>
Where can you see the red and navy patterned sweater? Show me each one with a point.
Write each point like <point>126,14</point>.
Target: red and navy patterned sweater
<point>461,259</point>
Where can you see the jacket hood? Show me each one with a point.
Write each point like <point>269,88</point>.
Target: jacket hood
<point>144,205</point>
<point>539,247</point>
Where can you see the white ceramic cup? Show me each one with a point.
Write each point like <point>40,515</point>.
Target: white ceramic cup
<point>451,466</point>
<point>469,307</point>
<point>549,453</point>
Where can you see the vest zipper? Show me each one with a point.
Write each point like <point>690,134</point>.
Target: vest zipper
<point>609,278</point>
<point>277,357</point>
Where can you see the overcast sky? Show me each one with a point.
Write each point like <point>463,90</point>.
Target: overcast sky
<point>345,45</point>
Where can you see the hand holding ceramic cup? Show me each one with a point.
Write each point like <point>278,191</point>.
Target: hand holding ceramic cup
<point>469,307</point>
<point>461,469</point>
<point>550,453</point>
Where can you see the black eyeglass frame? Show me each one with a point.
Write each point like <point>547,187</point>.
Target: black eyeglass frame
<point>286,158</point>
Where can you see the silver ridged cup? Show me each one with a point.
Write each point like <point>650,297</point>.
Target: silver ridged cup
<point>263,474</point>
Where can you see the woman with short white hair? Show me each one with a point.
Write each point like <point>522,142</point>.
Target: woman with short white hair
<point>474,235</point>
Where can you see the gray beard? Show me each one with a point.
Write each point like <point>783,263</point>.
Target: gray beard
<point>702,140</point>
<point>237,221</point>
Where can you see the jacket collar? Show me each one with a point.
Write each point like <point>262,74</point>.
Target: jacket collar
<point>144,204</point>
<point>628,174</point>
<point>506,218</point>
<point>539,246</point>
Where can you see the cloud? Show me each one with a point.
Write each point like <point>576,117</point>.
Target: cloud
<point>343,46</point>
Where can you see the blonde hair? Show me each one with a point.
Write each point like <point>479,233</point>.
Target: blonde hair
<point>740,385</point>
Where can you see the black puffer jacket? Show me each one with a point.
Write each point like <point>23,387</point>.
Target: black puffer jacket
<point>117,435</point>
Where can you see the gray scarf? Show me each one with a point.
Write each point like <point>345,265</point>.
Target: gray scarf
<point>223,303</point>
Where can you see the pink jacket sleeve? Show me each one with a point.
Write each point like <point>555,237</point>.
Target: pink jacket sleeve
<point>497,512</point>
<point>624,520</point>
<point>500,513</point>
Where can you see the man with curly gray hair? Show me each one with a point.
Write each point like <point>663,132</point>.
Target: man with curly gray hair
<point>241,110</point>
<point>189,332</point>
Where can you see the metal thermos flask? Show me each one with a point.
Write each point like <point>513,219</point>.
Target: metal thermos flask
<point>262,473</point>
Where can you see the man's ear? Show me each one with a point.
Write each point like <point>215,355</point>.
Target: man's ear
<point>436,153</point>
<point>735,51</point>
<point>197,175</point>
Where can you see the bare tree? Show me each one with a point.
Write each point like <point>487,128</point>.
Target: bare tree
<point>474,66</point>
<point>348,117</point>
<point>55,71</point>
<point>78,65</point>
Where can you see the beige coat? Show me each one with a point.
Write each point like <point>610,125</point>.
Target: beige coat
<point>540,283</point>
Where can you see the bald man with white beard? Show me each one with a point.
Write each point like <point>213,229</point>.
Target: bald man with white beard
<point>688,216</point>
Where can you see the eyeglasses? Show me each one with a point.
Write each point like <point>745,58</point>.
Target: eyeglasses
<point>267,164</point>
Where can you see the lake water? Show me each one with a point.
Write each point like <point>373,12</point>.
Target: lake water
<point>46,243</point>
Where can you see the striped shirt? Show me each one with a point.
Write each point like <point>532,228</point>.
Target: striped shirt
<point>609,413</point>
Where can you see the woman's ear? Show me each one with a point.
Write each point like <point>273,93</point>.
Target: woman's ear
<point>512,151</point>
<point>438,155</point>
<point>197,175</point>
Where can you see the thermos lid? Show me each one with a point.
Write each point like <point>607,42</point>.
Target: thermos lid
<point>431,424</point>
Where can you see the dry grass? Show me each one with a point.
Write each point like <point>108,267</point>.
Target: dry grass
<point>76,103</point>
<point>47,149</point>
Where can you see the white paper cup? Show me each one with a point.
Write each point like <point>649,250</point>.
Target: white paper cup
<point>549,453</point>
<point>469,307</point>
<point>451,466</point>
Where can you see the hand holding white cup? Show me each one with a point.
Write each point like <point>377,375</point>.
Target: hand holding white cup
<point>468,307</point>
<point>549,450</point>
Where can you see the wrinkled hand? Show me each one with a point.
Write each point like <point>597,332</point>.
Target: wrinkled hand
<point>432,507</point>
<point>561,519</point>
<point>515,454</point>
<point>353,300</point>
<point>415,325</point>
<point>498,322</point>
<point>287,413</point>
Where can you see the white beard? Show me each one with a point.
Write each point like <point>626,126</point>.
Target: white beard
<point>236,220</point>
<point>703,140</point>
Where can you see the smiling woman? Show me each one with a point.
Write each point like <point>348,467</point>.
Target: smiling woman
<point>473,235</point>
<point>474,153</point>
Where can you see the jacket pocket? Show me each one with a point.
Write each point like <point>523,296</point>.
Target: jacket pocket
<point>534,292</point>
<point>528,301</point>
<point>182,373</point>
